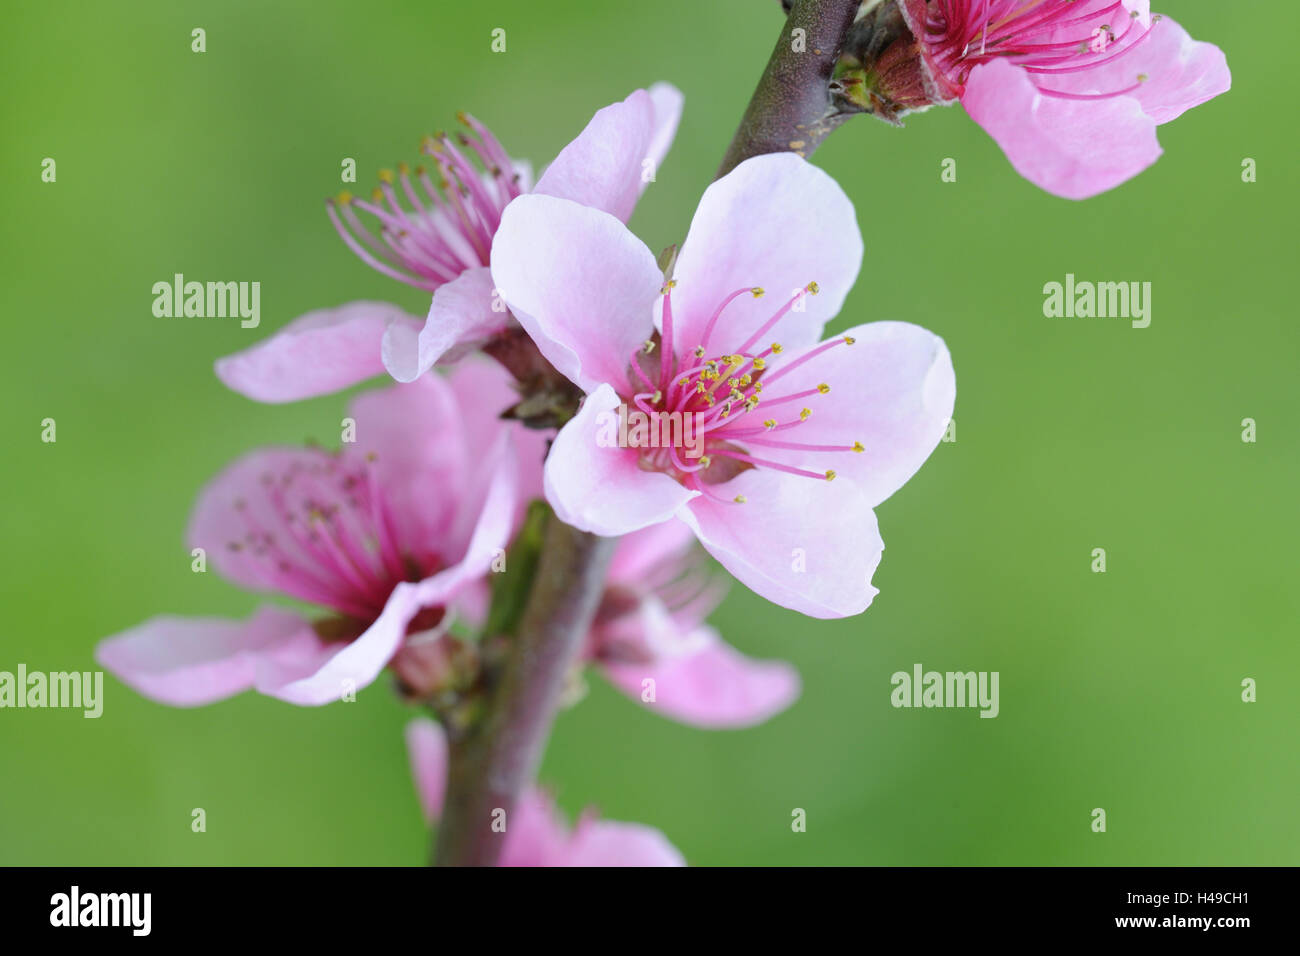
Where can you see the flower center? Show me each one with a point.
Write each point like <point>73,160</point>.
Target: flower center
<point>1047,38</point>
<point>705,401</point>
<point>327,535</point>
<point>448,226</point>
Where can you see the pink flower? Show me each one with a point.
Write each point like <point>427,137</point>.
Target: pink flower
<point>389,535</point>
<point>1072,90</point>
<point>437,236</point>
<point>778,414</point>
<point>535,834</point>
<point>649,627</point>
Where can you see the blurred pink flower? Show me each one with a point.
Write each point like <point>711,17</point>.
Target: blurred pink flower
<point>777,421</point>
<point>1072,90</point>
<point>440,241</point>
<point>650,627</point>
<point>388,534</point>
<point>535,833</point>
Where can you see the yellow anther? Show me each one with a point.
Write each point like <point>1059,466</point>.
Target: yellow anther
<point>758,386</point>
<point>699,351</point>
<point>377,194</point>
<point>648,346</point>
<point>813,288</point>
<point>751,403</point>
<point>803,415</point>
<point>849,340</point>
<point>777,348</point>
<point>759,365</point>
<point>830,475</point>
<point>757,292</point>
<point>823,388</point>
<point>746,380</point>
<point>701,387</point>
<point>684,381</point>
<point>345,197</point>
<point>462,116</point>
<point>739,499</point>
<point>385,175</point>
<point>657,397</point>
<point>403,168</point>
<point>857,446</point>
<point>705,461</point>
<point>769,423</point>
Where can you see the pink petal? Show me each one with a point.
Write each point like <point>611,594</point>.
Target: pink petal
<point>536,835</point>
<point>827,528</point>
<point>1072,148</point>
<point>315,354</point>
<point>668,102</point>
<point>421,456</point>
<point>352,666</point>
<point>603,490</point>
<point>641,551</point>
<point>426,746</point>
<point>775,222</point>
<point>580,284</point>
<point>892,390</point>
<point>237,505</point>
<point>357,664</point>
<point>483,390</point>
<point>610,843</point>
<point>1180,73</point>
<point>187,662</point>
<point>712,686</point>
<point>603,167</point>
<point>461,318</point>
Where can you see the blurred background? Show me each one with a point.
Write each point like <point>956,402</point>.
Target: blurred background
<point>1119,690</point>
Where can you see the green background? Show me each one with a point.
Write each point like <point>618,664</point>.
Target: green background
<point>1118,690</point>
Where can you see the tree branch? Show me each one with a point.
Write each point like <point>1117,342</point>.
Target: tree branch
<point>496,758</point>
<point>791,109</point>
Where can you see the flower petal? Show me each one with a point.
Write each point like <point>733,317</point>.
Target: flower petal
<point>1179,72</point>
<point>415,435</point>
<point>352,666</point>
<point>579,283</point>
<point>642,551</point>
<point>602,489</point>
<point>426,746</point>
<point>892,390</point>
<point>460,319</point>
<point>603,168</point>
<point>318,353</point>
<point>805,544</point>
<point>1072,148</point>
<point>187,662</point>
<point>775,222</point>
<point>611,843</point>
<point>713,685</point>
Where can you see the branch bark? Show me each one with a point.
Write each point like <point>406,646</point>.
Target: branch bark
<point>497,758</point>
<point>791,109</point>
